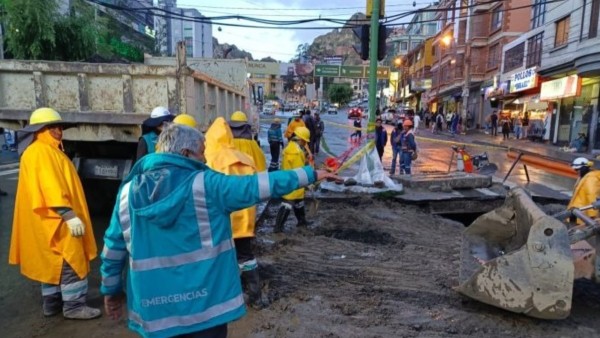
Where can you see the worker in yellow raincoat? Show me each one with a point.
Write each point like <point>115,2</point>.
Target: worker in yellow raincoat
<point>52,238</point>
<point>587,187</point>
<point>243,140</point>
<point>222,156</point>
<point>293,124</point>
<point>295,155</point>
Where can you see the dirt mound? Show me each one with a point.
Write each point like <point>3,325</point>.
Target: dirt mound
<point>380,269</point>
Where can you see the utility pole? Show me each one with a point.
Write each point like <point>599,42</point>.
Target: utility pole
<point>373,49</point>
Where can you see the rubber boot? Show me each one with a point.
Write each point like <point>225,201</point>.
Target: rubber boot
<point>82,313</point>
<point>282,216</point>
<point>300,214</point>
<point>251,280</point>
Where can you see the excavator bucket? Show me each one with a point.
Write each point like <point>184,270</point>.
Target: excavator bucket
<point>519,259</point>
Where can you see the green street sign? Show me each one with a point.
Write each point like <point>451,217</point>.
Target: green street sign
<point>352,71</point>
<point>382,72</point>
<point>327,70</point>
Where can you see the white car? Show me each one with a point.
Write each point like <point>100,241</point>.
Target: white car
<point>332,110</point>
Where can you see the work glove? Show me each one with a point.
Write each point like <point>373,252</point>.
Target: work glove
<point>76,227</point>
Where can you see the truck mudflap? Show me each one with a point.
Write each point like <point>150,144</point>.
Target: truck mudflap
<point>519,259</point>
<point>102,169</point>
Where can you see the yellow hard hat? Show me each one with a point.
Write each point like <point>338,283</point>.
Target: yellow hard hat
<point>239,116</point>
<point>44,115</point>
<point>186,120</point>
<point>303,133</point>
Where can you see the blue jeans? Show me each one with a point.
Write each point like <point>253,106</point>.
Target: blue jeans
<point>405,161</point>
<point>518,130</point>
<point>395,153</point>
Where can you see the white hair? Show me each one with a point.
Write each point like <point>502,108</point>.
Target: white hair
<point>176,138</point>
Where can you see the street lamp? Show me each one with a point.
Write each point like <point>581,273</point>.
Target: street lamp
<point>446,40</point>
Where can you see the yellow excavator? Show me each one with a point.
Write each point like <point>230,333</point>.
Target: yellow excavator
<point>523,260</point>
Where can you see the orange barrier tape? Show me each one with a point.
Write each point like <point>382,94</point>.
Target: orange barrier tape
<point>552,166</point>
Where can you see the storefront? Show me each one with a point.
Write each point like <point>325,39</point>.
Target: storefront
<point>571,105</point>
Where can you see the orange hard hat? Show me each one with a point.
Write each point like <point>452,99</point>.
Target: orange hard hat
<point>407,123</point>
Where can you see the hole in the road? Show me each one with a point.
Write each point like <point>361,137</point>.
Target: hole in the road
<point>465,218</point>
<point>361,236</point>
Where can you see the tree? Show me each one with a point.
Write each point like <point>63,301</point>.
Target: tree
<point>340,93</point>
<point>30,27</point>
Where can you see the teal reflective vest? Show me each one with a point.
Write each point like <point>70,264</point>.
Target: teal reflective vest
<point>151,138</point>
<point>171,228</point>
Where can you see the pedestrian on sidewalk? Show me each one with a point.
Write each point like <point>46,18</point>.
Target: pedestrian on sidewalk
<point>454,124</point>
<point>494,123</point>
<point>505,128</point>
<point>243,139</point>
<point>171,231</point>
<point>319,130</point>
<point>525,124</point>
<point>408,147</point>
<point>275,138</point>
<point>427,117</point>
<point>449,117</point>
<point>52,237</point>
<point>380,137</point>
<point>439,122</point>
<point>416,122</point>
<point>518,123</point>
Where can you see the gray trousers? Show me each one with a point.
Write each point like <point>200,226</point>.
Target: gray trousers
<point>70,294</point>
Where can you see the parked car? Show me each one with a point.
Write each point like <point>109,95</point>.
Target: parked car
<point>332,110</point>
<point>388,116</point>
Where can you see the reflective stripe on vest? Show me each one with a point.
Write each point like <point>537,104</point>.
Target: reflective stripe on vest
<point>207,250</point>
<point>264,186</point>
<point>187,320</point>
<point>302,177</point>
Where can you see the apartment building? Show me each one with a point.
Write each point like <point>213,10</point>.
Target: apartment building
<point>570,70</point>
<point>468,54</point>
<point>195,30</point>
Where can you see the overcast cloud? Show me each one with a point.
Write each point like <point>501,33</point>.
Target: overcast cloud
<point>281,44</point>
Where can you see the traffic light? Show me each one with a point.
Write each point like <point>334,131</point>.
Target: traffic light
<point>383,34</point>
<point>364,34</point>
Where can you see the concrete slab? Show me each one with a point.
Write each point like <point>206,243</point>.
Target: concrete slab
<point>444,182</point>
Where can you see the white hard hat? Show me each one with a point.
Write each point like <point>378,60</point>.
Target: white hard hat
<point>581,162</point>
<point>159,112</point>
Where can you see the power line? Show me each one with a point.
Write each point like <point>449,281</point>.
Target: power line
<point>301,9</point>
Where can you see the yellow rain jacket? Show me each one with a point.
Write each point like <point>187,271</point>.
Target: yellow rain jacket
<point>292,126</point>
<point>587,191</point>
<point>40,238</point>
<point>244,142</point>
<point>222,156</point>
<point>293,157</point>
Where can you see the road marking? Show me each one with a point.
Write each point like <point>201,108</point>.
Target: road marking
<point>9,165</point>
<point>9,172</point>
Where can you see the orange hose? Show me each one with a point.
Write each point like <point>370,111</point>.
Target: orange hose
<point>552,166</point>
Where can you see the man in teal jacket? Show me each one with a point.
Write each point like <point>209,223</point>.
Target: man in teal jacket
<point>171,228</point>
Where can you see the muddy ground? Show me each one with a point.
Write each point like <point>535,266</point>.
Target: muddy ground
<point>369,268</point>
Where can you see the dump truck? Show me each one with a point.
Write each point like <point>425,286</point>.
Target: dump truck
<point>109,102</point>
<point>523,260</point>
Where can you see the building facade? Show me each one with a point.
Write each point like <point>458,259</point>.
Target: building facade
<point>570,68</point>
<point>195,29</point>
<point>468,55</point>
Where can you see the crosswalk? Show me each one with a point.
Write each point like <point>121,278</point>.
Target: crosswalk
<point>9,171</point>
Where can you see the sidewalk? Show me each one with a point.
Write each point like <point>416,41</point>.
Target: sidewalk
<point>480,137</point>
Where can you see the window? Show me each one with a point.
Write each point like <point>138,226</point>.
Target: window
<point>562,32</point>
<point>594,19</point>
<point>403,46</point>
<point>433,50</point>
<point>539,12</point>
<point>414,44</point>
<point>513,58</point>
<point>534,50</point>
<point>496,18</point>
<point>494,51</point>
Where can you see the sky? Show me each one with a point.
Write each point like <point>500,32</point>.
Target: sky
<point>281,44</point>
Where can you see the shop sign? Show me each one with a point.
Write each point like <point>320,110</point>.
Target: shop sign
<point>564,87</point>
<point>421,84</point>
<point>523,80</point>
